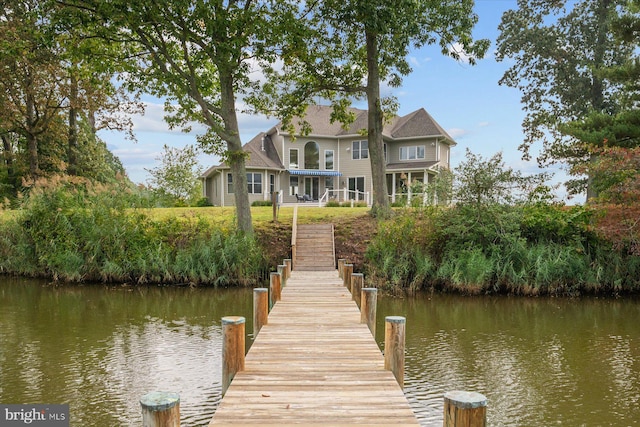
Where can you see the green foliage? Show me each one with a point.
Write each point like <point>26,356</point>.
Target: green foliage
<point>178,174</point>
<point>202,202</point>
<point>530,250</point>
<point>72,230</point>
<point>262,203</point>
<point>332,204</point>
<point>399,256</point>
<point>558,51</point>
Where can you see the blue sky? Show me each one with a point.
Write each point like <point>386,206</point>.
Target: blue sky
<point>465,100</point>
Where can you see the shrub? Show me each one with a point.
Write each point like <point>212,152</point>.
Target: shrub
<point>72,230</point>
<point>203,202</point>
<point>262,203</point>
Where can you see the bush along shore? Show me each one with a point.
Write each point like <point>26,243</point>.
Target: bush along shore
<point>73,231</point>
<point>529,249</point>
<point>70,230</point>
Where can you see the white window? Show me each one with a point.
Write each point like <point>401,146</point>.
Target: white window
<point>293,158</point>
<point>328,160</point>
<point>328,183</point>
<point>356,184</point>
<point>360,150</point>
<point>254,183</point>
<point>414,152</point>
<point>229,183</point>
<point>293,185</point>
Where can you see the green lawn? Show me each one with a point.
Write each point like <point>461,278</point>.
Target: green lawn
<point>260,215</point>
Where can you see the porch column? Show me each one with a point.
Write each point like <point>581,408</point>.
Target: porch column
<point>409,188</point>
<point>223,182</point>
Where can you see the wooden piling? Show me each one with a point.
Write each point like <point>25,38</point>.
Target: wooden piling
<point>283,275</point>
<point>356,287</point>
<point>369,300</point>
<point>260,309</point>
<point>465,409</point>
<point>341,263</point>
<point>347,271</point>
<point>289,266</point>
<point>394,343</point>
<point>275,285</point>
<point>160,409</point>
<point>232,349</point>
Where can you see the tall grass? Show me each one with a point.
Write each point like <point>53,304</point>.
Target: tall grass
<point>543,250</point>
<point>72,230</point>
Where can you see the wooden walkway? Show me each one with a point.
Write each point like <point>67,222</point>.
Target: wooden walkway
<point>314,363</point>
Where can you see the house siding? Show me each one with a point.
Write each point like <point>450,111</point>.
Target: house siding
<point>417,129</point>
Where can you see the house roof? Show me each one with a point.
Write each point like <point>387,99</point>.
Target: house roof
<point>416,124</point>
<point>258,158</point>
<point>404,166</point>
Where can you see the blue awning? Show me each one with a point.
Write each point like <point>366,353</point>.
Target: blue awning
<point>314,172</point>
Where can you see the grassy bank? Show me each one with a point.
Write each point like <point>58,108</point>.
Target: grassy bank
<point>71,230</point>
<point>525,250</point>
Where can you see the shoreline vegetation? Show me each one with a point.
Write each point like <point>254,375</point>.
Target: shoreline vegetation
<point>70,230</point>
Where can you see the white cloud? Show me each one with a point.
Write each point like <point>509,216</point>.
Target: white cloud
<point>459,50</point>
<point>457,132</point>
<point>483,124</point>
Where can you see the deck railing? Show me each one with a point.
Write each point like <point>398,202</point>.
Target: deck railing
<point>344,195</point>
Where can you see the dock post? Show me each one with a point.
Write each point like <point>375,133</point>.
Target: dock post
<point>394,342</point>
<point>289,266</point>
<point>369,299</point>
<point>465,409</point>
<point>260,309</point>
<point>160,409</point>
<point>347,271</point>
<point>356,287</point>
<point>275,285</point>
<point>232,349</point>
<point>341,263</point>
<point>282,270</point>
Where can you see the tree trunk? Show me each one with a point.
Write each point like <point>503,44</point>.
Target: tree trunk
<point>597,85</point>
<point>72,146</point>
<point>32,142</point>
<point>235,154</point>
<point>8,159</point>
<point>381,207</point>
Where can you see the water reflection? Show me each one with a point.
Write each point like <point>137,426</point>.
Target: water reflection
<point>539,361</point>
<point>100,349</point>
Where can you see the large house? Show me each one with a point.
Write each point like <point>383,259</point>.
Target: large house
<point>333,163</point>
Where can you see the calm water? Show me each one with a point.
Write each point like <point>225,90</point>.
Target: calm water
<point>540,362</point>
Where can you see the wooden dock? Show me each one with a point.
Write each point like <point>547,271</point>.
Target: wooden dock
<point>314,363</point>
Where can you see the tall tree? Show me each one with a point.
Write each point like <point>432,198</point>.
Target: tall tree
<point>198,56</point>
<point>178,173</point>
<point>348,47</point>
<point>559,49</point>
<point>31,92</point>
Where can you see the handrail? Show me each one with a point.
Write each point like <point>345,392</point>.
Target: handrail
<point>294,235</point>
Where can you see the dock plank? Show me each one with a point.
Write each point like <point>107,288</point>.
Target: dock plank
<point>314,363</point>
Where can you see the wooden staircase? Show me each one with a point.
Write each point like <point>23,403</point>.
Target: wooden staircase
<point>314,248</point>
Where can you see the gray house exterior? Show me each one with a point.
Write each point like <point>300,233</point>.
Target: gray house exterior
<point>332,163</point>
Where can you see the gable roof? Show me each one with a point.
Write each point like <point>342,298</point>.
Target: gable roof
<point>258,158</point>
<point>416,124</point>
